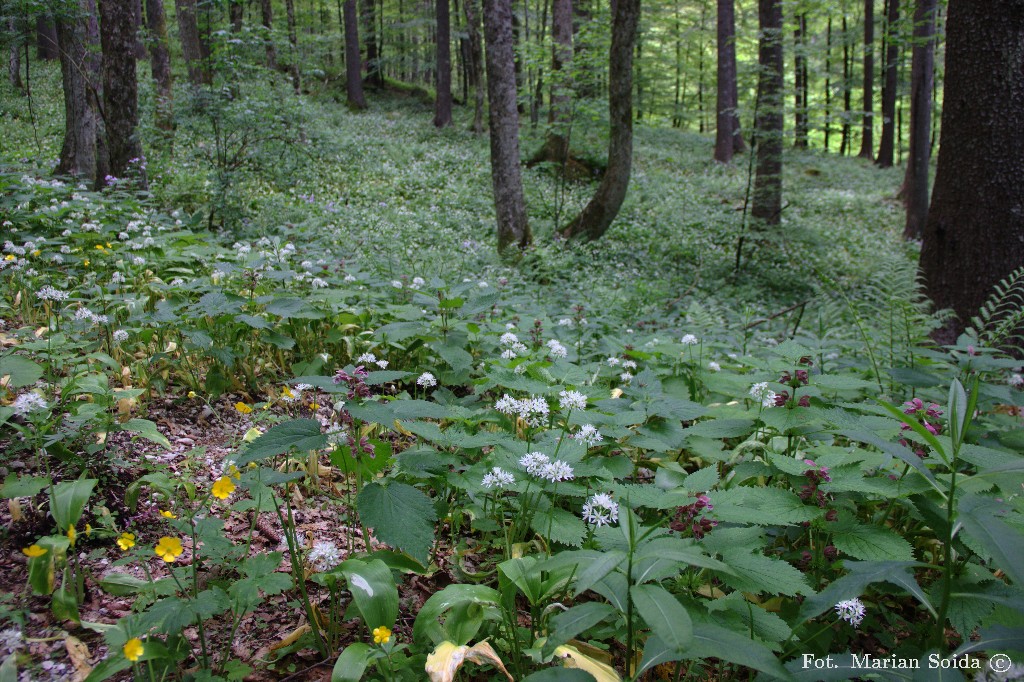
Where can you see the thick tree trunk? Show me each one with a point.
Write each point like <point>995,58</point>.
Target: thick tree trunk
<point>509,202</point>
<point>887,145</point>
<point>975,231</point>
<point>46,38</point>
<point>728,137</point>
<point>160,62</point>
<point>922,70</point>
<point>598,214</point>
<point>476,59</point>
<point>293,40</point>
<point>195,50</point>
<point>267,12</point>
<point>867,137</point>
<point>800,82</point>
<point>121,89</point>
<point>353,62</point>
<point>14,56</point>
<point>767,208</point>
<point>443,101</point>
<point>81,78</point>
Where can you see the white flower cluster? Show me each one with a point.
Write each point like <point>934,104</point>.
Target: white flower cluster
<point>714,366</point>
<point>612,362</point>
<point>29,402</point>
<point>533,410</point>
<point>851,610</point>
<point>426,380</point>
<point>324,556</point>
<point>120,336</point>
<point>417,283</point>
<point>371,359</point>
<point>1015,380</point>
<point>689,340</point>
<point>48,293</point>
<point>540,465</point>
<point>83,314</point>
<point>572,400</point>
<point>762,393</point>
<point>588,435</point>
<point>512,346</point>
<point>556,348</point>
<point>336,434</point>
<point>601,510</point>
<point>498,478</point>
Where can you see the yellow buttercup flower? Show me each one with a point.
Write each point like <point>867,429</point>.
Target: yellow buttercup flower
<point>36,252</point>
<point>33,551</point>
<point>168,549</point>
<point>168,514</point>
<point>243,408</point>
<point>287,392</point>
<point>99,247</point>
<point>314,406</point>
<point>191,394</point>
<point>223,488</point>
<point>126,541</point>
<point>133,649</point>
<point>10,257</point>
<point>86,262</point>
<point>72,534</point>
<point>381,635</point>
<point>233,472</point>
<point>88,530</point>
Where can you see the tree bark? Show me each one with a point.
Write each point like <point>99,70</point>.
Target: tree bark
<point>509,202</point>
<point>293,40</point>
<point>974,236</point>
<point>267,12</point>
<point>476,58</point>
<point>728,137</point>
<point>235,14</point>
<point>79,40</point>
<point>598,214</point>
<point>121,89</point>
<point>195,50</point>
<point>14,56</point>
<point>867,137</point>
<point>443,72</point>
<point>828,83</point>
<point>846,143</point>
<point>800,82</point>
<point>922,70</point>
<point>886,146</point>
<point>556,140</point>
<point>767,208</point>
<point>160,63</point>
<point>46,38</point>
<point>374,75</point>
<point>353,62</point>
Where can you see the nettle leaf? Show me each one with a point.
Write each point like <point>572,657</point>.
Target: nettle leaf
<point>298,434</point>
<point>760,574</point>
<point>861,574</point>
<point>761,506</point>
<point>870,542</point>
<point>720,428</point>
<point>561,526</point>
<point>401,516</point>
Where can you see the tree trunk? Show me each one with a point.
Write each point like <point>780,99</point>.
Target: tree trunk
<point>915,181</point>
<point>800,83</point>
<point>476,54</point>
<point>767,208</point>
<point>828,83</point>
<point>80,68</point>
<point>267,12</point>
<point>556,141</point>
<point>121,89</point>
<point>509,202</point>
<point>160,63</point>
<point>374,76</point>
<point>353,63</point>
<point>140,20</point>
<point>14,56</point>
<point>293,40</point>
<point>598,214</point>
<point>974,235</point>
<point>886,146</point>
<point>846,143</point>
<point>195,50</point>
<point>235,13</point>
<point>443,101</point>
<point>46,38</point>
<point>867,137</point>
<point>728,138</point>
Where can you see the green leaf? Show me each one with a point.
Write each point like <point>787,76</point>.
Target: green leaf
<point>702,480</point>
<point>596,570</point>
<point>558,674</point>
<point>455,356</point>
<point>580,618</point>
<point>760,506</point>
<point>994,638</point>
<point>302,435</point>
<point>664,615</point>
<point>352,663</point>
<point>565,527</point>
<point>292,307</point>
<point>146,429</point>
<point>861,574</point>
<point>9,669</point>
<point>983,523</point>
<point>22,371</point>
<point>426,625</point>
<point>373,590</point>
<point>400,515</point>
<point>758,573</point>
<point>67,500</point>
<point>521,572</point>
<point>869,542</point>
<point>23,486</point>
<point>122,584</point>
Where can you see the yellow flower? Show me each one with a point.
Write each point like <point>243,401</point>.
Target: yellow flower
<point>10,257</point>
<point>108,245</point>
<point>36,252</point>
<point>86,262</point>
<point>168,514</point>
<point>191,394</point>
<point>32,551</point>
<point>126,541</point>
<point>314,406</point>
<point>223,488</point>
<point>72,534</point>
<point>88,530</point>
<point>99,247</point>
<point>243,408</point>
<point>133,649</point>
<point>168,549</point>
<point>287,392</point>
<point>381,635</point>
<point>233,472</point>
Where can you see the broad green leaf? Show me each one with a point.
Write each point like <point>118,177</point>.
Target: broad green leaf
<point>594,571</point>
<point>352,663</point>
<point>521,572</point>
<point>559,675</point>
<point>869,542</point>
<point>861,574</point>
<point>578,619</point>
<point>302,435</point>
<point>561,526</point>
<point>22,371</point>
<point>399,515</point>
<point>994,638</point>
<point>760,506</point>
<point>664,615</point>
<point>23,486</point>
<point>757,573</point>
<point>983,523</point>
<point>426,627</point>
<point>68,499</point>
<point>146,429</point>
<point>373,590</point>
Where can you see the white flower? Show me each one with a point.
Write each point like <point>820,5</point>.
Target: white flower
<point>383,364</point>
<point>350,277</point>
<point>520,348</point>
<point>318,283</point>
<point>556,348</point>
<point>534,462</point>
<point>336,434</point>
<point>601,510</point>
<point>29,402</point>
<point>572,400</point>
<point>120,335</point>
<point>11,640</point>
<point>588,435</point>
<point>508,354</point>
<point>565,322</point>
<point>1015,380</point>
<point>426,380</point>
<point>324,556</point>
<point>506,404</point>
<point>689,340</point>
<point>509,326</point>
<point>498,478</point>
<point>714,366</point>
<point>556,471</point>
<point>396,284</point>
<point>612,361</point>
<point>625,377</point>
<point>851,610</point>
<point>533,410</point>
<point>117,278</point>
<point>628,364</point>
<point>417,283</point>
<point>366,359</point>
<point>48,293</point>
<point>508,338</point>
<point>761,392</point>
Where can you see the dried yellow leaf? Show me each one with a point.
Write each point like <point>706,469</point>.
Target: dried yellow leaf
<point>446,659</point>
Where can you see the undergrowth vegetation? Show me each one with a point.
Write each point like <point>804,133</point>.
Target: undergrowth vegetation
<point>641,458</point>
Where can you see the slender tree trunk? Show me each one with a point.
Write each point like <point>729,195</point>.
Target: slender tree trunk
<point>374,75</point>
<point>353,64</point>
<point>443,102</point>
<point>596,217</point>
<point>517,42</point>
<point>509,202</point>
<point>195,50</point>
<point>640,78</point>
<point>121,89</point>
<point>160,63</point>
<point>887,144</point>
<point>560,113</point>
<point>828,83</point>
<point>767,207</point>
<point>267,14</point>
<point>293,39</point>
<point>235,15</point>
<point>728,138</point>
<point>800,129</point>
<point>79,41</point>
<point>475,63</point>
<point>14,56</point>
<point>922,70</point>
<point>867,138</point>
<point>140,20</point>
<point>974,236</point>
<point>700,69</point>
<point>846,143</point>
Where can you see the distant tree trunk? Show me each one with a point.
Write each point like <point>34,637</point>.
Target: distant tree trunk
<point>974,235</point>
<point>267,12</point>
<point>79,40</point>
<point>236,12</point>
<point>556,141</point>
<point>517,41</point>
<point>120,88</point>
<point>353,63</point>
<point>767,208</point>
<point>598,214</point>
<point>476,54</point>
<point>800,82</point>
<point>46,38</point>
<point>867,138</point>
<point>509,202</point>
<point>14,56</point>
<point>195,50</point>
<point>886,146</point>
<point>702,122</point>
<point>922,70</point>
<point>846,143</point>
<point>828,83</point>
<point>140,45</point>
<point>443,78</point>
<point>728,138</point>
<point>374,75</point>
<point>293,40</point>
<point>160,63</point>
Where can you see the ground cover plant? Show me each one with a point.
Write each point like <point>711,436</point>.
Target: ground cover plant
<point>287,416</point>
